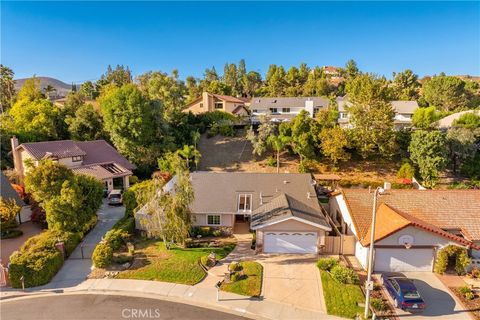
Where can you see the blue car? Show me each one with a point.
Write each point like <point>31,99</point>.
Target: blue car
<point>403,292</point>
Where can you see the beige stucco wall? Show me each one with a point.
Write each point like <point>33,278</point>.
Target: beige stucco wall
<point>226,220</point>
<point>208,104</point>
<point>25,156</point>
<point>291,226</point>
<point>421,237</point>
<point>69,162</point>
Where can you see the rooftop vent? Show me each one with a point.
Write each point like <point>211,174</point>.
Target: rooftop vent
<point>387,185</point>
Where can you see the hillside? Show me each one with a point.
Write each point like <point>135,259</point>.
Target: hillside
<point>61,87</point>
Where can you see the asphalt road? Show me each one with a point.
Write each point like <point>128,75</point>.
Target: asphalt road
<point>105,307</point>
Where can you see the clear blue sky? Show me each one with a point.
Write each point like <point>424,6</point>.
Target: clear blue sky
<point>75,41</point>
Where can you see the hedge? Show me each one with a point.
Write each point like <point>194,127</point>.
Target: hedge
<point>38,260</point>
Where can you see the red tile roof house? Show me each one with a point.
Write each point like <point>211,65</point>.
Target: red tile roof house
<point>411,225</point>
<point>94,158</point>
<point>209,102</point>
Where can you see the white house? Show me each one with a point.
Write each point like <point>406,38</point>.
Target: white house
<point>411,225</point>
<point>285,108</point>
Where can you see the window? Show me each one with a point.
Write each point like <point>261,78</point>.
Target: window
<point>213,219</point>
<point>285,110</point>
<point>255,111</point>
<point>315,111</point>
<point>201,105</point>
<point>218,105</point>
<point>343,115</point>
<point>77,158</point>
<point>273,110</point>
<point>245,202</point>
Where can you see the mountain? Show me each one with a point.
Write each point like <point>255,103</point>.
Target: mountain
<point>62,88</point>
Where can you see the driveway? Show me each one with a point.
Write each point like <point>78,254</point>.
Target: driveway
<point>8,246</point>
<point>441,305</point>
<point>292,279</point>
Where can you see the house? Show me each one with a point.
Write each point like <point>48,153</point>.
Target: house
<point>331,71</point>
<point>404,111</point>
<point>411,225</point>
<point>447,122</point>
<point>209,102</point>
<point>285,108</point>
<point>7,193</point>
<point>94,158</point>
<point>282,208</point>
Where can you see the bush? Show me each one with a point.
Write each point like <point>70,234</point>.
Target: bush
<point>10,233</point>
<point>122,258</point>
<point>461,259</point>
<point>406,171</point>
<point>344,275</point>
<point>465,289</point>
<point>234,266</point>
<point>469,296</point>
<point>236,277</point>
<point>271,161</point>
<point>102,255</point>
<point>9,210</point>
<point>226,130</point>
<point>204,261</point>
<point>217,233</point>
<point>326,264</point>
<point>377,304</point>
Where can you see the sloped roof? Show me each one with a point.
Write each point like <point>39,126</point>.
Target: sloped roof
<point>103,171</point>
<point>405,107</point>
<point>286,102</point>
<point>284,206</point>
<point>58,149</point>
<point>99,151</point>
<point>447,122</point>
<point>443,209</point>
<point>7,192</point>
<point>227,98</point>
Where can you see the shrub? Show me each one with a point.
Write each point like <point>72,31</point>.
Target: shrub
<point>469,296</point>
<point>461,259</point>
<point>102,255</point>
<point>465,289</point>
<point>344,275</point>
<point>475,273</point>
<point>9,210</point>
<point>234,266</point>
<point>10,233</point>
<point>122,258</point>
<point>406,171</point>
<point>271,161</point>
<point>217,233</point>
<point>377,304</point>
<point>236,276</point>
<point>204,261</point>
<point>326,264</point>
<point>226,130</point>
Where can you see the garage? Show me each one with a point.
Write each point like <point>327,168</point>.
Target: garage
<point>399,260</point>
<point>290,242</point>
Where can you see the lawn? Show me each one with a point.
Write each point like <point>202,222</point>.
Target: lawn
<point>341,299</point>
<point>251,284</point>
<point>179,265</point>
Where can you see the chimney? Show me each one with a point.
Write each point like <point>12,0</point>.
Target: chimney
<point>17,159</point>
<point>387,185</point>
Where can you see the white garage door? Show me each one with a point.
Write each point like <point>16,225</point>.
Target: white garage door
<point>398,260</point>
<point>290,242</point>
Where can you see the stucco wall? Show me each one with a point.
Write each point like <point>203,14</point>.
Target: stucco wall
<point>337,203</point>
<point>420,237</point>
<point>69,162</point>
<point>291,225</point>
<point>226,220</point>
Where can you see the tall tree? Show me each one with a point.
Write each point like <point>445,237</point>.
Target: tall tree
<point>461,145</point>
<point>7,88</point>
<point>252,82</point>
<point>259,140</point>
<point>294,84</point>
<point>86,124</point>
<point>406,85</point>
<point>334,140</point>
<point>119,76</point>
<point>88,90</point>
<point>445,92</point>
<point>304,136</point>
<point>316,83</point>
<point>429,153</point>
<point>278,142</point>
<point>193,88</point>
<point>275,81</point>
<point>230,77</point>
<point>351,69</point>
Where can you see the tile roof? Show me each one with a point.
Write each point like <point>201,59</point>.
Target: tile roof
<point>99,151</point>
<point>7,191</point>
<point>286,102</point>
<point>405,107</point>
<point>444,209</point>
<point>103,171</point>
<point>58,149</point>
<point>284,206</point>
<point>227,98</point>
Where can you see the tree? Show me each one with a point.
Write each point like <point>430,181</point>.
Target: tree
<point>259,141</point>
<point>88,90</point>
<point>251,82</point>
<point>190,152</point>
<point>461,145</point>
<point>9,211</point>
<point>445,92</point>
<point>316,83</point>
<point>49,89</point>
<point>34,117</point>
<point>118,77</point>
<point>7,88</point>
<point>230,78</point>
<point>468,120</point>
<point>333,143</point>
<point>86,124</point>
<point>278,142</point>
<point>429,153</point>
<point>371,115</point>
<point>406,85</point>
<point>134,124</point>
<point>275,81</point>
<point>351,69</point>
<point>328,117</point>
<point>425,118</point>
<point>294,84</point>
<point>304,136</point>
<point>193,89</point>
<point>219,87</point>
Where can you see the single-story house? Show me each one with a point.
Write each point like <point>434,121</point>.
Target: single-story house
<point>411,225</point>
<point>281,208</point>
<point>404,111</point>
<point>94,158</point>
<point>209,102</point>
<point>285,108</point>
<point>7,193</point>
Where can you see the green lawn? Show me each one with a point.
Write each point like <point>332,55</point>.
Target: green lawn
<point>154,262</point>
<point>251,285</point>
<point>341,299</point>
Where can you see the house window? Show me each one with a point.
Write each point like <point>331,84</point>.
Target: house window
<point>343,115</point>
<point>255,110</point>
<point>201,105</point>
<point>315,111</point>
<point>213,219</point>
<point>245,202</point>
<point>77,158</point>
<point>218,105</point>
<point>285,110</point>
<point>273,110</point>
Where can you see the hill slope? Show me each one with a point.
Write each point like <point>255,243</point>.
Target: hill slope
<point>61,87</point>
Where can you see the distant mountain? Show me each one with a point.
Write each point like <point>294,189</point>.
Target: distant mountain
<point>62,88</point>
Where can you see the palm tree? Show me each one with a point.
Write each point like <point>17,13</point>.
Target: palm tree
<point>190,152</point>
<point>49,88</point>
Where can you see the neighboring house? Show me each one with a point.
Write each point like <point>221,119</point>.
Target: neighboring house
<point>411,225</point>
<point>209,102</point>
<point>447,122</point>
<point>285,108</point>
<point>331,71</point>
<point>403,113</point>
<point>7,193</point>
<point>94,158</point>
<point>282,208</point>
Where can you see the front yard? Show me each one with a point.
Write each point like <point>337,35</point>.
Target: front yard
<point>341,299</point>
<point>153,261</point>
<point>250,282</point>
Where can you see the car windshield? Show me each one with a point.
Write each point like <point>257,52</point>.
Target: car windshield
<point>411,294</point>
<point>114,196</point>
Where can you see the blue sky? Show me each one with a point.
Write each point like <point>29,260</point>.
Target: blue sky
<point>75,41</point>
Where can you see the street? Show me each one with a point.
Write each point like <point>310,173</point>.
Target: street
<point>106,307</point>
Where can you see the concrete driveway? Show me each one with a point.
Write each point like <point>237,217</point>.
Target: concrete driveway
<point>441,305</point>
<point>292,279</point>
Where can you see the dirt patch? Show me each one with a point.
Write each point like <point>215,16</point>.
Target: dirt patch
<point>471,305</point>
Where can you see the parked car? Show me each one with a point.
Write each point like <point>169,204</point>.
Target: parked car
<point>403,292</point>
<point>115,197</point>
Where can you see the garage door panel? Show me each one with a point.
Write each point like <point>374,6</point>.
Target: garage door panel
<point>399,260</point>
<point>290,242</point>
